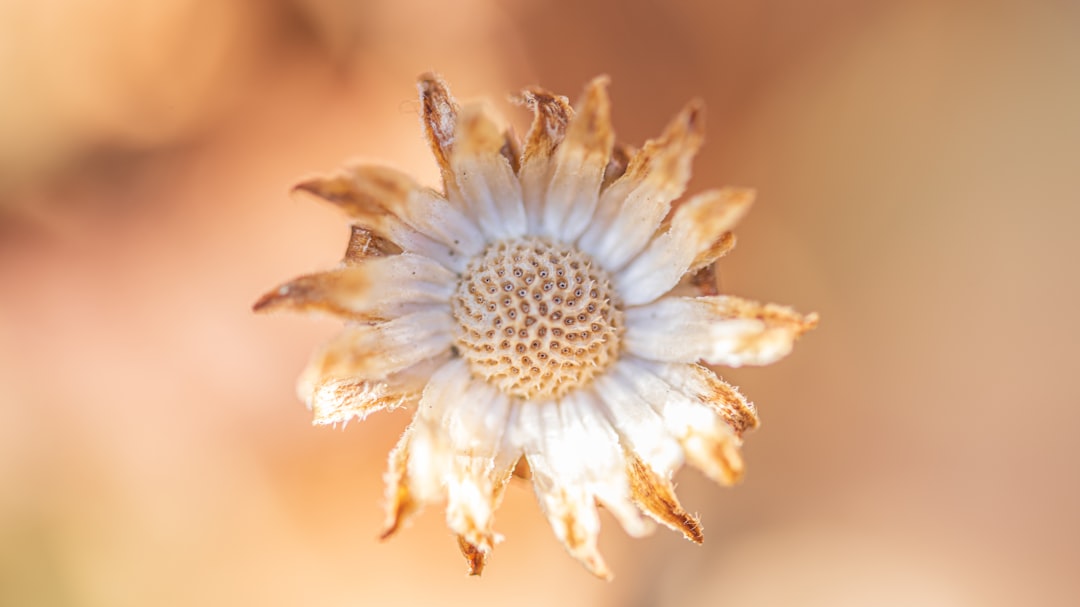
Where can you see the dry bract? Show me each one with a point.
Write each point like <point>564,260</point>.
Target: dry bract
<point>546,307</point>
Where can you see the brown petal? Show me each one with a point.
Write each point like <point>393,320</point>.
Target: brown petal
<point>400,505</point>
<point>365,243</point>
<point>621,154</point>
<point>715,451</point>
<point>665,161</point>
<point>739,413</point>
<point>320,292</point>
<point>656,497</point>
<point>363,191</point>
<point>551,114</point>
<point>440,120</point>
<point>475,557</point>
<point>707,259</point>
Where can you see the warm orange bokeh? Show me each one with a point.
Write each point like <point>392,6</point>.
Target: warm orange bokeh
<point>915,163</point>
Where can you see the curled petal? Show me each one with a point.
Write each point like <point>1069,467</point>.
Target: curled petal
<point>401,503</point>
<point>721,330</point>
<point>551,114</point>
<point>474,556</point>
<point>580,162</point>
<point>378,289</point>
<point>486,183</point>
<point>655,494</point>
<point>617,164</point>
<point>364,243</point>
<point>440,120</point>
<point>695,231</point>
<point>631,209</point>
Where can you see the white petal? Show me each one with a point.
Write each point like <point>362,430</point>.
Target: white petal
<point>720,330</point>
<point>373,352</point>
<point>429,212</point>
<point>457,451</point>
<point>708,441</point>
<point>551,114</point>
<point>696,226</point>
<point>576,461</point>
<point>485,180</point>
<point>630,209</point>
<point>638,424</point>
<point>580,161</point>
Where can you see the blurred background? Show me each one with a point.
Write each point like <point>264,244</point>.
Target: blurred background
<point>916,164</point>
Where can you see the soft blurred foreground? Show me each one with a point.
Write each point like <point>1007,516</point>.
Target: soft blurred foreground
<point>916,168</point>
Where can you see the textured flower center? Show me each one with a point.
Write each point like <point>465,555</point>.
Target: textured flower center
<point>537,318</point>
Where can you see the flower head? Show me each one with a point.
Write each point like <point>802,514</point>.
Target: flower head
<point>547,314</point>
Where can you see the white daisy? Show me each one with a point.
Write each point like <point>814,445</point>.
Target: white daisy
<point>547,314</point>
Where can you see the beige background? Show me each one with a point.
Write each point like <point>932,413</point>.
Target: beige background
<point>916,165</point>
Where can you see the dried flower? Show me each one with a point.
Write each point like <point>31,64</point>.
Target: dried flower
<point>547,314</point>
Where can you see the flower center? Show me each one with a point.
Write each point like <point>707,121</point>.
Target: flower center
<point>537,318</point>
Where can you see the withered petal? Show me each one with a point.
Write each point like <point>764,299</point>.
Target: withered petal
<point>656,496</point>
<point>440,121</point>
<point>632,208</point>
<point>475,557</point>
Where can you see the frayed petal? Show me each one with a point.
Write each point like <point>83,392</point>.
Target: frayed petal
<point>632,208</point>
<point>721,330</point>
<point>694,234</point>
<point>337,401</point>
<point>551,115</point>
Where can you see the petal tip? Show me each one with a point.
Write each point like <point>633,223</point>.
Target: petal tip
<point>475,557</point>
